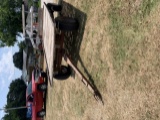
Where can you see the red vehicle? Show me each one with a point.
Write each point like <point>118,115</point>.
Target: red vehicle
<point>35,95</point>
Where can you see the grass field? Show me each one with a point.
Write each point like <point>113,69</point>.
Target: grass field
<point>117,47</point>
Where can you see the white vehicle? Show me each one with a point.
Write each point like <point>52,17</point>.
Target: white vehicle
<point>30,29</point>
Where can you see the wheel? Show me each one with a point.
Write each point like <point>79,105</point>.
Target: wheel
<point>41,113</point>
<point>42,87</point>
<point>34,35</point>
<point>34,31</point>
<point>43,74</point>
<point>64,73</point>
<point>54,7</point>
<point>66,23</point>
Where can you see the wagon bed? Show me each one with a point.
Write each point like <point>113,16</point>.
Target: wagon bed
<point>50,46</point>
<point>48,38</point>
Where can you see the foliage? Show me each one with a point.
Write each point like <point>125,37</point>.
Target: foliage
<point>2,44</point>
<point>10,21</point>
<point>22,45</point>
<point>18,59</point>
<point>32,3</point>
<point>16,98</point>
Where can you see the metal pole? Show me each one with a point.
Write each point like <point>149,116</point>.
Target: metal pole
<point>15,108</point>
<point>23,19</point>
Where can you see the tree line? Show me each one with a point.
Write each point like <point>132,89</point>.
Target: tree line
<point>10,28</point>
<point>10,21</point>
<point>16,97</point>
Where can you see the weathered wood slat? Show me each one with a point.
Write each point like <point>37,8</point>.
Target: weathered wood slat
<point>23,19</point>
<point>48,40</point>
<point>40,21</point>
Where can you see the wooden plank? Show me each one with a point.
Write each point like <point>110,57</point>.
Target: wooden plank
<point>23,19</point>
<point>40,21</point>
<point>48,40</point>
<point>31,24</point>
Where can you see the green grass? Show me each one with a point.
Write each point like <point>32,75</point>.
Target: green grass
<point>147,6</point>
<point>127,30</point>
<point>117,49</point>
<point>76,101</point>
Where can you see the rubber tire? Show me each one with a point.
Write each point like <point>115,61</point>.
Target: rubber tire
<point>34,31</point>
<point>43,74</point>
<point>41,113</point>
<point>66,23</point>
<point>54,7</point>
<point>42,87</point>
<point>61,75</point>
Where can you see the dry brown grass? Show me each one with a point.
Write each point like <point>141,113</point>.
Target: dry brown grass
<point>118,50</point>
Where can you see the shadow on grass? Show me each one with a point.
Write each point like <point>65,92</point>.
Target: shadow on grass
<point>74,39</point>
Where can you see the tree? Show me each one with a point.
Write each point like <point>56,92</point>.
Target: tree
<point>16,97</point>
<point>10,21</point>
<point>2,44</point>
<point>18,59</point>
<point>22,45</point>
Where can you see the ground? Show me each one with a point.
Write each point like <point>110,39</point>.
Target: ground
<point>117,48</point>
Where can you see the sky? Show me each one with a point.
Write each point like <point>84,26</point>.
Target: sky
<point>7,73</point>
